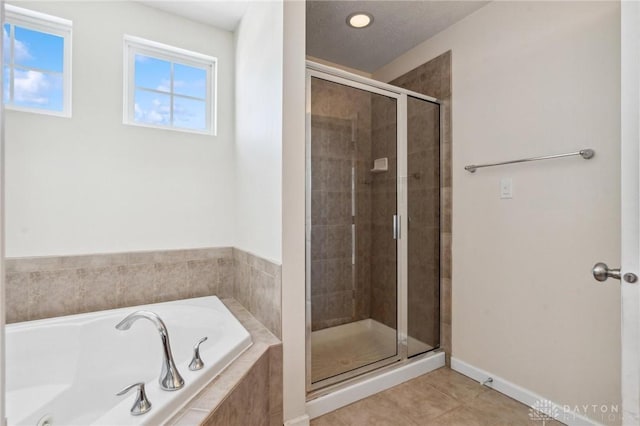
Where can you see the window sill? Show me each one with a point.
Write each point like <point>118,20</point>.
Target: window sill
<point>173,129</point>
<point>62,114</point>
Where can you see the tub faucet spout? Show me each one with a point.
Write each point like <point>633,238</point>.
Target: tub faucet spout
<point>170,378</point>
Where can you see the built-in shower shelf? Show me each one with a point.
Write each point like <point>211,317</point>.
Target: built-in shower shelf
<point>380,165</point>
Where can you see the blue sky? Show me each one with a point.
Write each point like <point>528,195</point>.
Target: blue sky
<point>154,108</point>
<point>35,89</point>
<point>33,49</point>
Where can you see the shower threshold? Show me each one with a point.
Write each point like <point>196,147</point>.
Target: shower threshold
<point>350,346</point>
<point>351,390</point>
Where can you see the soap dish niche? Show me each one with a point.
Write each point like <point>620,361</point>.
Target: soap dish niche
<point>380,165</point>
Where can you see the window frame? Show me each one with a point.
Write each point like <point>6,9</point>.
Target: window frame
<point>137,45</point>
<point>49,24</point>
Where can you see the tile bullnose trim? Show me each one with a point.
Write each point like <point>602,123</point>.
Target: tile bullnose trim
<point>95,260</point>
<point>252,254</point>
<point>525,396</point>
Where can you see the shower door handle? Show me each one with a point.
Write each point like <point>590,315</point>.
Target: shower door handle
<point>396,227</point>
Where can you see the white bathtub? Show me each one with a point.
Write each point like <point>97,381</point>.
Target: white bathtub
<point>68,369</point>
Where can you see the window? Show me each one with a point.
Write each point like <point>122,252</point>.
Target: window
<point>36,62</point>
<point>168,87</point>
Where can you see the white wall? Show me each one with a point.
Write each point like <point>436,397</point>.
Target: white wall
<point>258,146</point>
<point>293,215</point>
<point>90,184</point>
<point>535,78</point>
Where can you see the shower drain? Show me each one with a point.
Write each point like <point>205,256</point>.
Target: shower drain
<point>46,420</point>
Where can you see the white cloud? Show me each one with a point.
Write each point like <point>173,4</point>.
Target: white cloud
<point>189,114</point>
<point>192,88</point>
<point>154,108</point>
<point>182,113</point>
<point>141,59</point>
<point>20,49</point>
<point>158,113</point>
<point>31,86</point>
<point>164,86</point>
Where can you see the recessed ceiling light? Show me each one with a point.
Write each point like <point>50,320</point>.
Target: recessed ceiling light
<point>359,20</point>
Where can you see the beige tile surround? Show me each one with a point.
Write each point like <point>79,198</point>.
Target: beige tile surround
<point>52,286</point>
<point>249,391</point>
<point>44,287</point>
<point>257,286</point>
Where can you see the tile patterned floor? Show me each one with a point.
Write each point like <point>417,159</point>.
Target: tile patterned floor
<point>440,398</point>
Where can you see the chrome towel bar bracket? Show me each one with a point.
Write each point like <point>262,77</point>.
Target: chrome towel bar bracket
<point>584,153</point>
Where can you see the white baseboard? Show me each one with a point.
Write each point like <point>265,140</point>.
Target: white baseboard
<point>342,397</point>
<point>557,411</point>
<point>298,421</point>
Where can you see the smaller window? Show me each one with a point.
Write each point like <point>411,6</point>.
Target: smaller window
<point>168,87</point>
<point>36,62</point>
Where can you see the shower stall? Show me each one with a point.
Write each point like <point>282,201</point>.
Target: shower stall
<point>372,225</point>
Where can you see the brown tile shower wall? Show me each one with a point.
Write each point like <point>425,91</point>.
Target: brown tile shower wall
<point>44,287</point>
<point>341,139</point>
<point>434,79</point>
<point>337,295</point>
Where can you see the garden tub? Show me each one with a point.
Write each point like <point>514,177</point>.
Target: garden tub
<point>67,370</point>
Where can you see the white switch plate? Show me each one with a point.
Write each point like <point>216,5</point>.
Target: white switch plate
<point>506,188</point>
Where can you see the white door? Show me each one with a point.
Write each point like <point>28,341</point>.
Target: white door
<point>630,208</point>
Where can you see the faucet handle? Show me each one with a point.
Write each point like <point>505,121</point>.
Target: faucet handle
<point>142,404</point>
<point>196,362</point>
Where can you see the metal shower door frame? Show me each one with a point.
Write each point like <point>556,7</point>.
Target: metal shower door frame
<point>315,70</point>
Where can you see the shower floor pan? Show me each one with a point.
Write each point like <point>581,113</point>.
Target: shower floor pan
<point>346,347</point>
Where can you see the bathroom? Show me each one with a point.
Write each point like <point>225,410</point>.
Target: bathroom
<point>106,209</point>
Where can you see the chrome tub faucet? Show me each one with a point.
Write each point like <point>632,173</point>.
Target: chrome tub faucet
<point>170,379</point>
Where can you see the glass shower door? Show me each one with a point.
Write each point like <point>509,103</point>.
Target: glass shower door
<point>351,250</point>
<point>423,208</point>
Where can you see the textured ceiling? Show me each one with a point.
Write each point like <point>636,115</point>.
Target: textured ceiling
<point>398,26</point>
